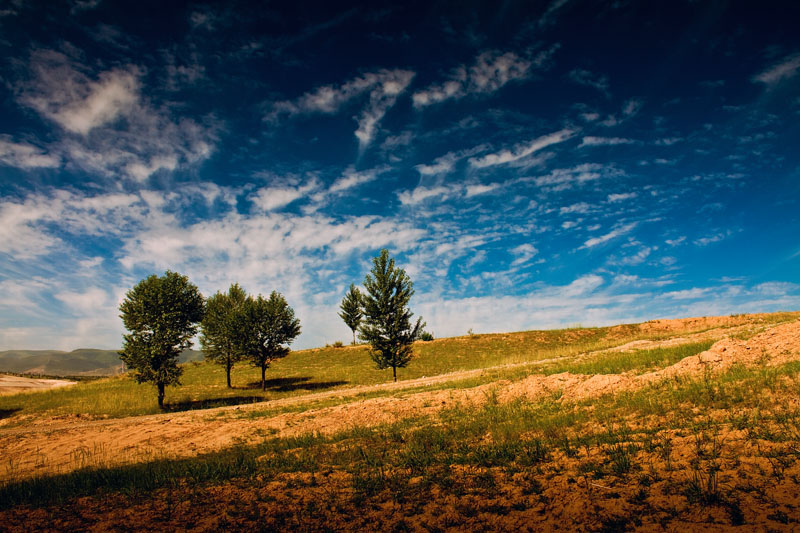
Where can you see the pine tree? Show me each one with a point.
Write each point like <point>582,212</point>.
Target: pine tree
<point>221,327</point>
<point>269,327</point>
<point>387,319</point>
<point>351,309</point>
<point>161,314</point>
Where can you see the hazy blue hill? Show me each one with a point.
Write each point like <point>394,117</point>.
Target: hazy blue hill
<point>80,362</point>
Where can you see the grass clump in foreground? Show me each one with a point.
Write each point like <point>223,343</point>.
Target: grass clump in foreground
<point>683,449</point>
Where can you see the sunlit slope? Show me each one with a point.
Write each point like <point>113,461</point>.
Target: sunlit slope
<point>330,368</point>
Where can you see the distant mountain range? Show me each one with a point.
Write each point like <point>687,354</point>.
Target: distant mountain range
<point>80,362</point>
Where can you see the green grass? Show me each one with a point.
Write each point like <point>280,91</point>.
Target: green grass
<point>302,372</point>
<point>640,361</point>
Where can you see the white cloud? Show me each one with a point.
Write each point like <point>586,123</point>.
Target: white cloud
<point>580,208</point>
<point>782,70</point>
<point>621,197</point>
<point>524,253</point>
<point>585,77</point>
<point>479,188</point>
<point>24,155</point>
<point>420,194</point>
<point>632,107</point>
<point>605,141</point>
<point>351,179</point>
<point>523,150</point>
<point>383,88</point>
<point>85,302</point>
<point>710,239</point>
<point>272,198</point>
<point>83,104</point>
<point>107,126</point>
<point>636,259</point>
<point>491,71</point>
<point>563,178</point>
<point>622,230</point>
<point>441,165</point>
<point>25,226</point>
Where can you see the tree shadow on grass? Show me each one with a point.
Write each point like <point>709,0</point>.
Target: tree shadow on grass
<point>5,413</point>
<point>296,383</point>
<point>212,402</point>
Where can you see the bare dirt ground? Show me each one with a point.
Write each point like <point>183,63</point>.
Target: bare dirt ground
<point>62,446</point>
<point>15,384</point>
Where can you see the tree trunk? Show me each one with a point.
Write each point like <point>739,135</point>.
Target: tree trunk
<point>160,395</point>
<point>354,337</point>
<point>394,373</point>
<point>263,377</point>
<point>228,372</point>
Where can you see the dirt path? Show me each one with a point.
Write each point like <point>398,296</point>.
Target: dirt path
<point>60,448</point>
<point>16,384</point>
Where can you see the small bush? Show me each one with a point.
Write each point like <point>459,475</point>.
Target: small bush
<point>338,344</point>
<point>426,336</point>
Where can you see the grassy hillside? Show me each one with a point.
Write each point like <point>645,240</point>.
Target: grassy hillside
<point>705,451</point>
<point>80,362</point>
<point>304,371</point>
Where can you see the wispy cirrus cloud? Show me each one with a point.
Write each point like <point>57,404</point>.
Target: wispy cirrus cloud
<point>420,194</point>
<point>25,155</point>
<point>278,196</point>
<point>490,71</point>
<point>605,141</point>
<point>440,165</point>
<point>565,178</point>
<point>784,69</point>
<point>107,126</point>
<point>590,79</point>
<point>522,150</point>
<point>613,234</point>
<point>382,87</point>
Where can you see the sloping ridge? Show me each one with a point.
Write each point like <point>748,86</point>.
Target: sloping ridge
<point>189,433</point>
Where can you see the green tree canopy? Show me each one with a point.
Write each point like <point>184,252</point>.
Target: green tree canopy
<point>222,326</point>
<point>387,319</point>
<point>269,328</point>
<point>161,314</point>
<point>351,309</point>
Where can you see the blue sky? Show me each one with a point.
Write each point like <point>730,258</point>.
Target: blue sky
<point>530,164</point>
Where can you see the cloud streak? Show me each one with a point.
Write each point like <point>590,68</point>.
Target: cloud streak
<point>382,87</point>
<point>522,150</point>
<point>491,71</point>
<point>786,68</point>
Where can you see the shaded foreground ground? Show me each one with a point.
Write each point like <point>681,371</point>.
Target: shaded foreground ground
<point>709,442</point>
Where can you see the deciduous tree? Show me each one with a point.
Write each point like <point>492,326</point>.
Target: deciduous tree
<point>161,314</point>
<point>387,319</point>
<point>270,327</point>
<point>222,327</point>
<point>351,309</point>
